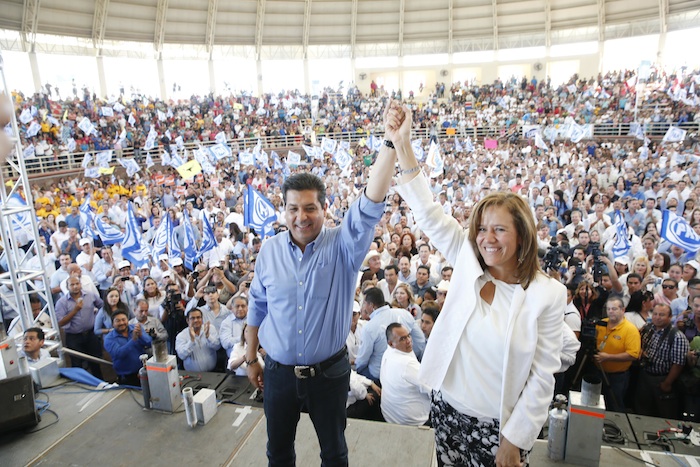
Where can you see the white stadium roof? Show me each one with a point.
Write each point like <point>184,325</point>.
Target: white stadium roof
<point>342,28</point>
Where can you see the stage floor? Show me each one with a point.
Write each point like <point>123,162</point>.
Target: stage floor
<point>110,428</point>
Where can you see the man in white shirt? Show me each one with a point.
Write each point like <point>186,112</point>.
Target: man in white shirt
<point>87,258</point>
<point>406,274</point>
<point>389,283</point>
<point>405,400</point>
<point>32,347</point>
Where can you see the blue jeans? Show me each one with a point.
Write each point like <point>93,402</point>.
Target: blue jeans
<point>324,397</point>
<point>618,389</point>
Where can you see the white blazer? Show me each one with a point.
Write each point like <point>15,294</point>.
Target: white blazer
<point>533,338</point>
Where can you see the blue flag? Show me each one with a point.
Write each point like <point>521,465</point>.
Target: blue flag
<point>108,233</point>
<point>160,238</point>
<point>677,231</point>
<point>258,212</point>
<point>458,145</point>
<point>622,243</point>
<point>173,246</point>
<point>190,247</point>
<point>208,240</point>
<point>88,218</point>
<point>132,248</point>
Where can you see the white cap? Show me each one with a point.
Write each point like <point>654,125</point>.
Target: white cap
<point>694,264</point>
<point>163,257</point>
<point>443,286</point>
<point>370,254</point>
<point>176,262</point>
<point>167,273</point>
<point>623,260</point>
<point>85,241</point>
<point>144,266</point>
<point>123,264</point>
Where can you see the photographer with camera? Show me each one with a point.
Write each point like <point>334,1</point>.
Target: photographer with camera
<point>618,344</point>
<point>172,314</point>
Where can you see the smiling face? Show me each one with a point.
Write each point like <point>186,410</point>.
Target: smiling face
<point>498,242</point>
<point>304,215</point>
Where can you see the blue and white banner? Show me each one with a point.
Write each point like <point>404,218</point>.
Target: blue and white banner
<point>258,212</point>
<point>160,238</point>
<point>107,112</point>
<point>220,151</point>
<point>343,158</point>
<point>33,129</point>
<point>131,166</point>
<point>149,161</point>
<point>674,135</point>
<point>246,158</point>
<point>108,233</point>
<point>132,120</point>
<point>29,152</point>
<point>218,119</point>
<point>173,245</point>
<point>434,158</point>
<point>677,231</point>
<point>418,151</point>
<point>622,243</point>
<point>104,158</point>
<point>118,107</point>
<point>539,142</point>
<point>161,116</point>
<point>637,130</point>
<point>529,131</point>
<point>21,221</point>
<point>276,162</point>
<point>220,138</point>
<point>92,172</point>
<point>309,151</point>
<point>576,133</point>
<point>293,158</point>
<point>87,218</point>
<point>86,126</point>
<point>329,145</point>
<point>132,248</point>
<point>180,142</point>
<point>208,240</point>
<point>202,156</point>
<point>26,116</point>
<point>469,145</point>
<point>189,246</point>
<point>458,145</point>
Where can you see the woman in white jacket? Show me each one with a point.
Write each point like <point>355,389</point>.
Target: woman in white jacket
<point>496,345</point>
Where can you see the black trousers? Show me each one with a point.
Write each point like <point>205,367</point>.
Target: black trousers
<point>88,343</point>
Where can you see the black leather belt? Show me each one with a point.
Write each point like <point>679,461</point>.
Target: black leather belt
<point>310,371</point>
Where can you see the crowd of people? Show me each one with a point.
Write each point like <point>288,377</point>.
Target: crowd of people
<point>640,305</point>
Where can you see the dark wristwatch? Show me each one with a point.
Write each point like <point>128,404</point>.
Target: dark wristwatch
<point>389,144</point>
<point>252,362</point>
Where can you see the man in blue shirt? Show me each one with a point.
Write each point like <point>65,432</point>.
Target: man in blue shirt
<point>301,307</point>
<point>125,343</point>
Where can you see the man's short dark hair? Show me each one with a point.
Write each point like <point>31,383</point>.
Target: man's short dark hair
<point>446,268</point>
<point>390,330</point>
<point>693,282</point>
<point>393,267</point>
<point>34,298</point>
<point>305,181</point>
<point>375,296</point>
<point>62,224</point>
<point>634,275</point>
<point>423,266</point>
<point>119,311</point>
<point>431,308</point>
<point>39,333</point>
<point>424,245</point>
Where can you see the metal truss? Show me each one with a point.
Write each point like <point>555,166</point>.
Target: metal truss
<point>30,20</point>
<point>99,22</point>
<point>159,32</point>
<point>211,25</point>
<point>18,224</point>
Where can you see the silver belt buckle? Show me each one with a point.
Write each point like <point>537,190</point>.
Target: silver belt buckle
<point>299,369</point>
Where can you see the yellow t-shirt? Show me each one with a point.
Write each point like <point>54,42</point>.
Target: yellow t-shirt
<point>622,338</point>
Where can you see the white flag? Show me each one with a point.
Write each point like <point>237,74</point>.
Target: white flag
<point>132,120</point>
<point>343,159</point>
<point>118,107</point>
<point>293,158</point>
<point>149,161</point>
<point>86,126</point>
<point>246,158</point>
<point>220,151</point>
<point>220,137</point>
<point>179,142</point>
<point>161,116</point>
<point>33,129</point>
<point>70,144</point>
<point>29,152</point>
<point>87,158</point>
<point>92,172</point>
<point>107,112</point>
<point>674,135</point>
<point>328,145</point>
<point>26,116</point>
<point>218,119</point>
<point>539,142</point>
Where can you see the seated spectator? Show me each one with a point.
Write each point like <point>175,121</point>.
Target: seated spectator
<point>403,298</point>
<point>125,343</point>
<point>237,360</point>
<point>33,347</point>
<point>232,326</point>
<point>363,398</point>
<point>405,400</point>
<point>197,344</point>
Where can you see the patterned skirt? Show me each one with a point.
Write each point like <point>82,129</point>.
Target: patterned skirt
<point>461,440</point>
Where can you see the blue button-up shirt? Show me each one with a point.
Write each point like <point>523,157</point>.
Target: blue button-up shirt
<point>84,319</point>
<point>125,351</point>
<point>302,301</point>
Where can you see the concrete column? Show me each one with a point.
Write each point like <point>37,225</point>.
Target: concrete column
<point>36,76</point>
<point>601,54</point>
<point>212,76</point>
<point>660,52</point>
<point>307,77</point>
<point>161,79</point>
<point>258,65</point>
<point>101,76</point>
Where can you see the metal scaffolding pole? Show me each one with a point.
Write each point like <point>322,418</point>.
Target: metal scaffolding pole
<point>23,258</point>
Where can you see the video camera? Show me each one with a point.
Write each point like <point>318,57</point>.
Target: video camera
<point>553,258</point>
<point>598,267</point>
